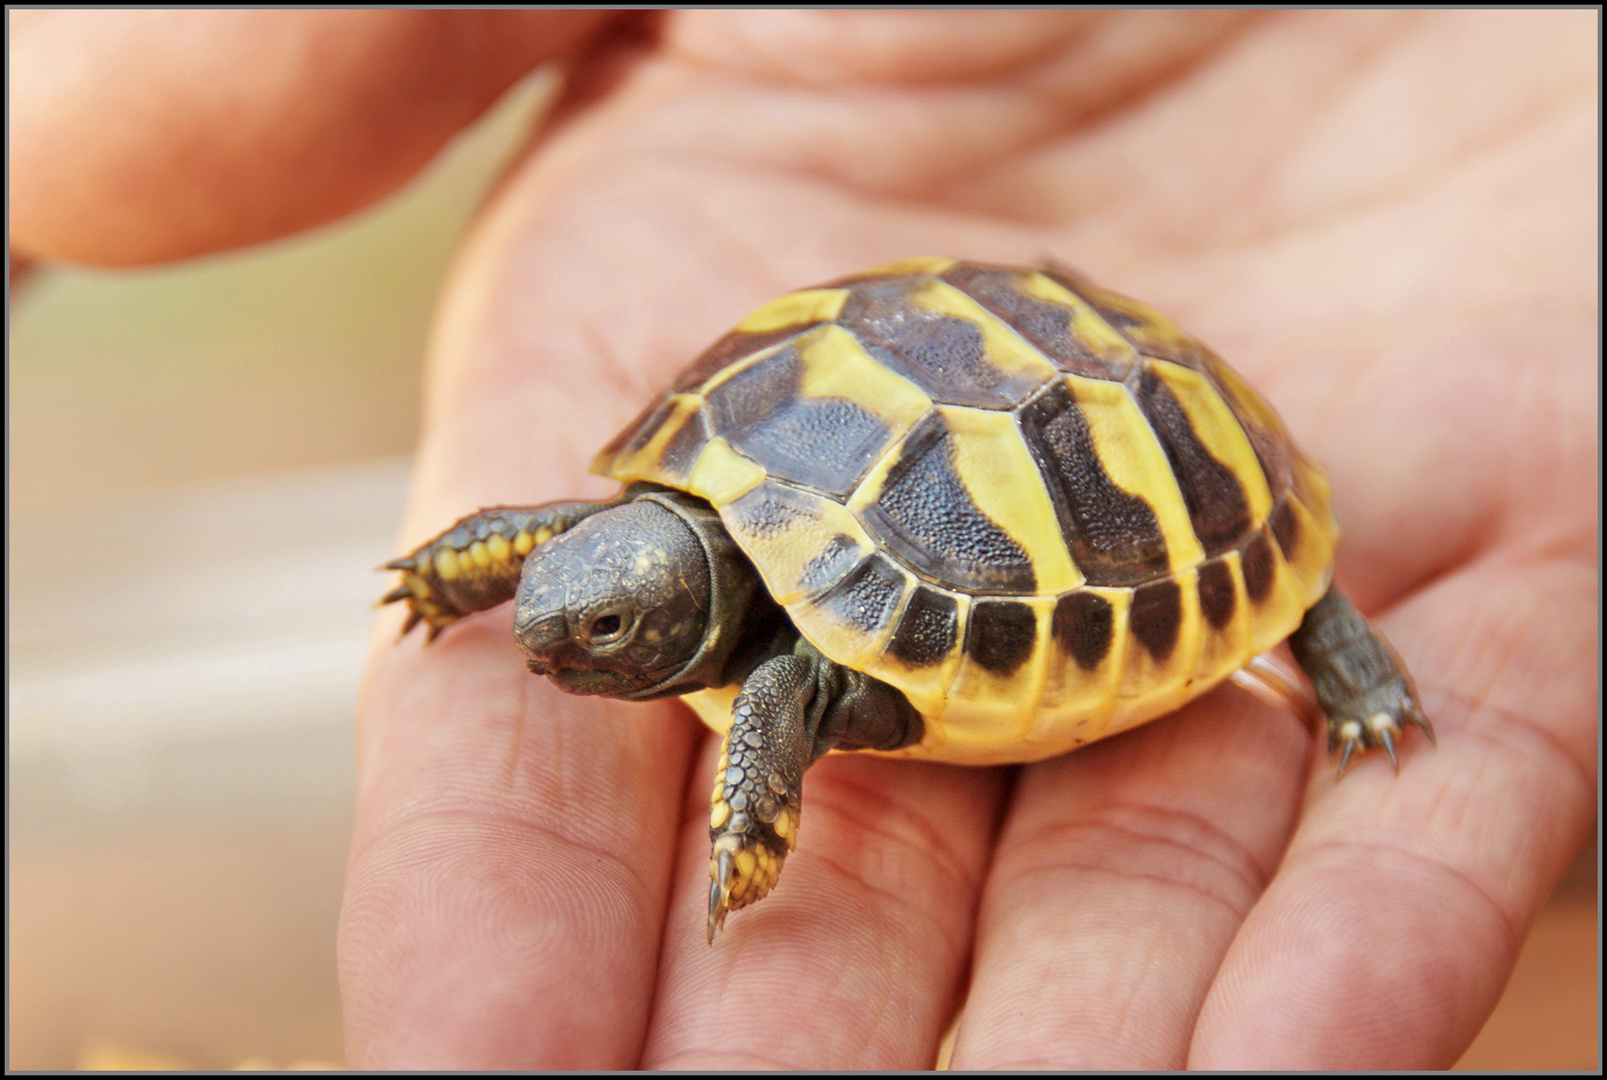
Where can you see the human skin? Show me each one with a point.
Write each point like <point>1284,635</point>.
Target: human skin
<point>1386,221</point>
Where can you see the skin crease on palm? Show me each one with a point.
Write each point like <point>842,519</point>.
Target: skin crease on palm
<point>1386,221</point>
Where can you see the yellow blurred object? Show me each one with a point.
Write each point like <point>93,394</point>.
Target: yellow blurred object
<point>100,1056</point>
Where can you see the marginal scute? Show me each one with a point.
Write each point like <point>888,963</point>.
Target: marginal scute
<point>862,609</point>
<point>1157,616</point>
<point>801,542</point>
<point>1084,626</point>
<point>663,445</point>
<point>1002,635</point>
<point>800,308</point>
<point>928,630</point>
<point>852,620</point>
<point>1218,594</point>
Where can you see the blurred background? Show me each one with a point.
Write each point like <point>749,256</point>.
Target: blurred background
<point>205,463</point>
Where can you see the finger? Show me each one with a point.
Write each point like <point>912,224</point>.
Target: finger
<point>1395,920</point>
<point>856,959</point>
<point>513,845</point>
<point>1122,873</point>
<point>141,136</point>
<point>509,863</point>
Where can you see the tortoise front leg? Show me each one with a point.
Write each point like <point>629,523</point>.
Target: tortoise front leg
<point>791,710</point>
<point>475,565</point>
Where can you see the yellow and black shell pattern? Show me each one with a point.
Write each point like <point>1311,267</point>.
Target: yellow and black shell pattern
<point>1037,508</point>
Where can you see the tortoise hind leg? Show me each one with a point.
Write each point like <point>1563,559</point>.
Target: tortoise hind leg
<point>1364,690</point>
<point>475,565</point>
<point>792,709</point>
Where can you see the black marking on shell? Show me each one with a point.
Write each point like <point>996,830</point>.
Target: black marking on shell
<point>1217,594</point>
<point>927,632</point>
<point>1215,498</point>
<point>1046,325</point>
<point>1286,528</point>
<point>1001,635</point>
<point>1139,331</point>
<point>1256,558</point>
<point>1271,450</point>
<point>772,510</point>
<point>1083,626</point>
<point>824,443</point>
<point>681,451</point>
<point>1114,537</point>
<point>943,355</point>
<point>636,433</point>
<point>729,350</point>
<point>679,454</point>
<point>927,518</point>
<point>827,568</point>
<point>868,597</point>
<point>1155,617</point>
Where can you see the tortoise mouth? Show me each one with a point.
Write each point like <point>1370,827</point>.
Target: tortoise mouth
<point>600,682</point>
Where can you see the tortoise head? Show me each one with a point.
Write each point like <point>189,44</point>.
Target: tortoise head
<point>616,606</point>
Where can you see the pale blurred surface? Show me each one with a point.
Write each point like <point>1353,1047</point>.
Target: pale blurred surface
<point>205,463</point>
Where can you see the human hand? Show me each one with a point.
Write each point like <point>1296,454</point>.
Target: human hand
<point>1386,222</point>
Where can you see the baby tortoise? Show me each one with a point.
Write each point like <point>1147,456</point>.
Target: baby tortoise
<point>939,509</point>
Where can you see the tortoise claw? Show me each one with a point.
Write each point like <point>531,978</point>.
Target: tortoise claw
<point>719,894</point>
<point>1344,757</point>
<point>1386,737</point>
<point>413,619</point>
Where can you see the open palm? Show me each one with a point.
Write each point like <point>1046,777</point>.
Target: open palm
<point>1386,222</point>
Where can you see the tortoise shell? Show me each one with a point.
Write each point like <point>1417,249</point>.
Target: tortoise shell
<point>1036,507</point>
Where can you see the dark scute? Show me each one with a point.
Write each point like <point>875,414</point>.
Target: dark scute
<point>927,632</point>
<point>928,519</point>
<point>1217,595</point>
<point>1082,625</point>
<point>1114,537</point>
<point>1258,567</point>
<point>1214,496</point>
<point>867,597</point>
<point>941,354</point>
<point>1001,635</point>
<point>1155,617</point>
<point>1046,325</point>
<point>824,443</point>
<point>728,350</point>
<point>1286,527</point>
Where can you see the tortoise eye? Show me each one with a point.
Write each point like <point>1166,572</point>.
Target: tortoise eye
<point>607,629</point>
